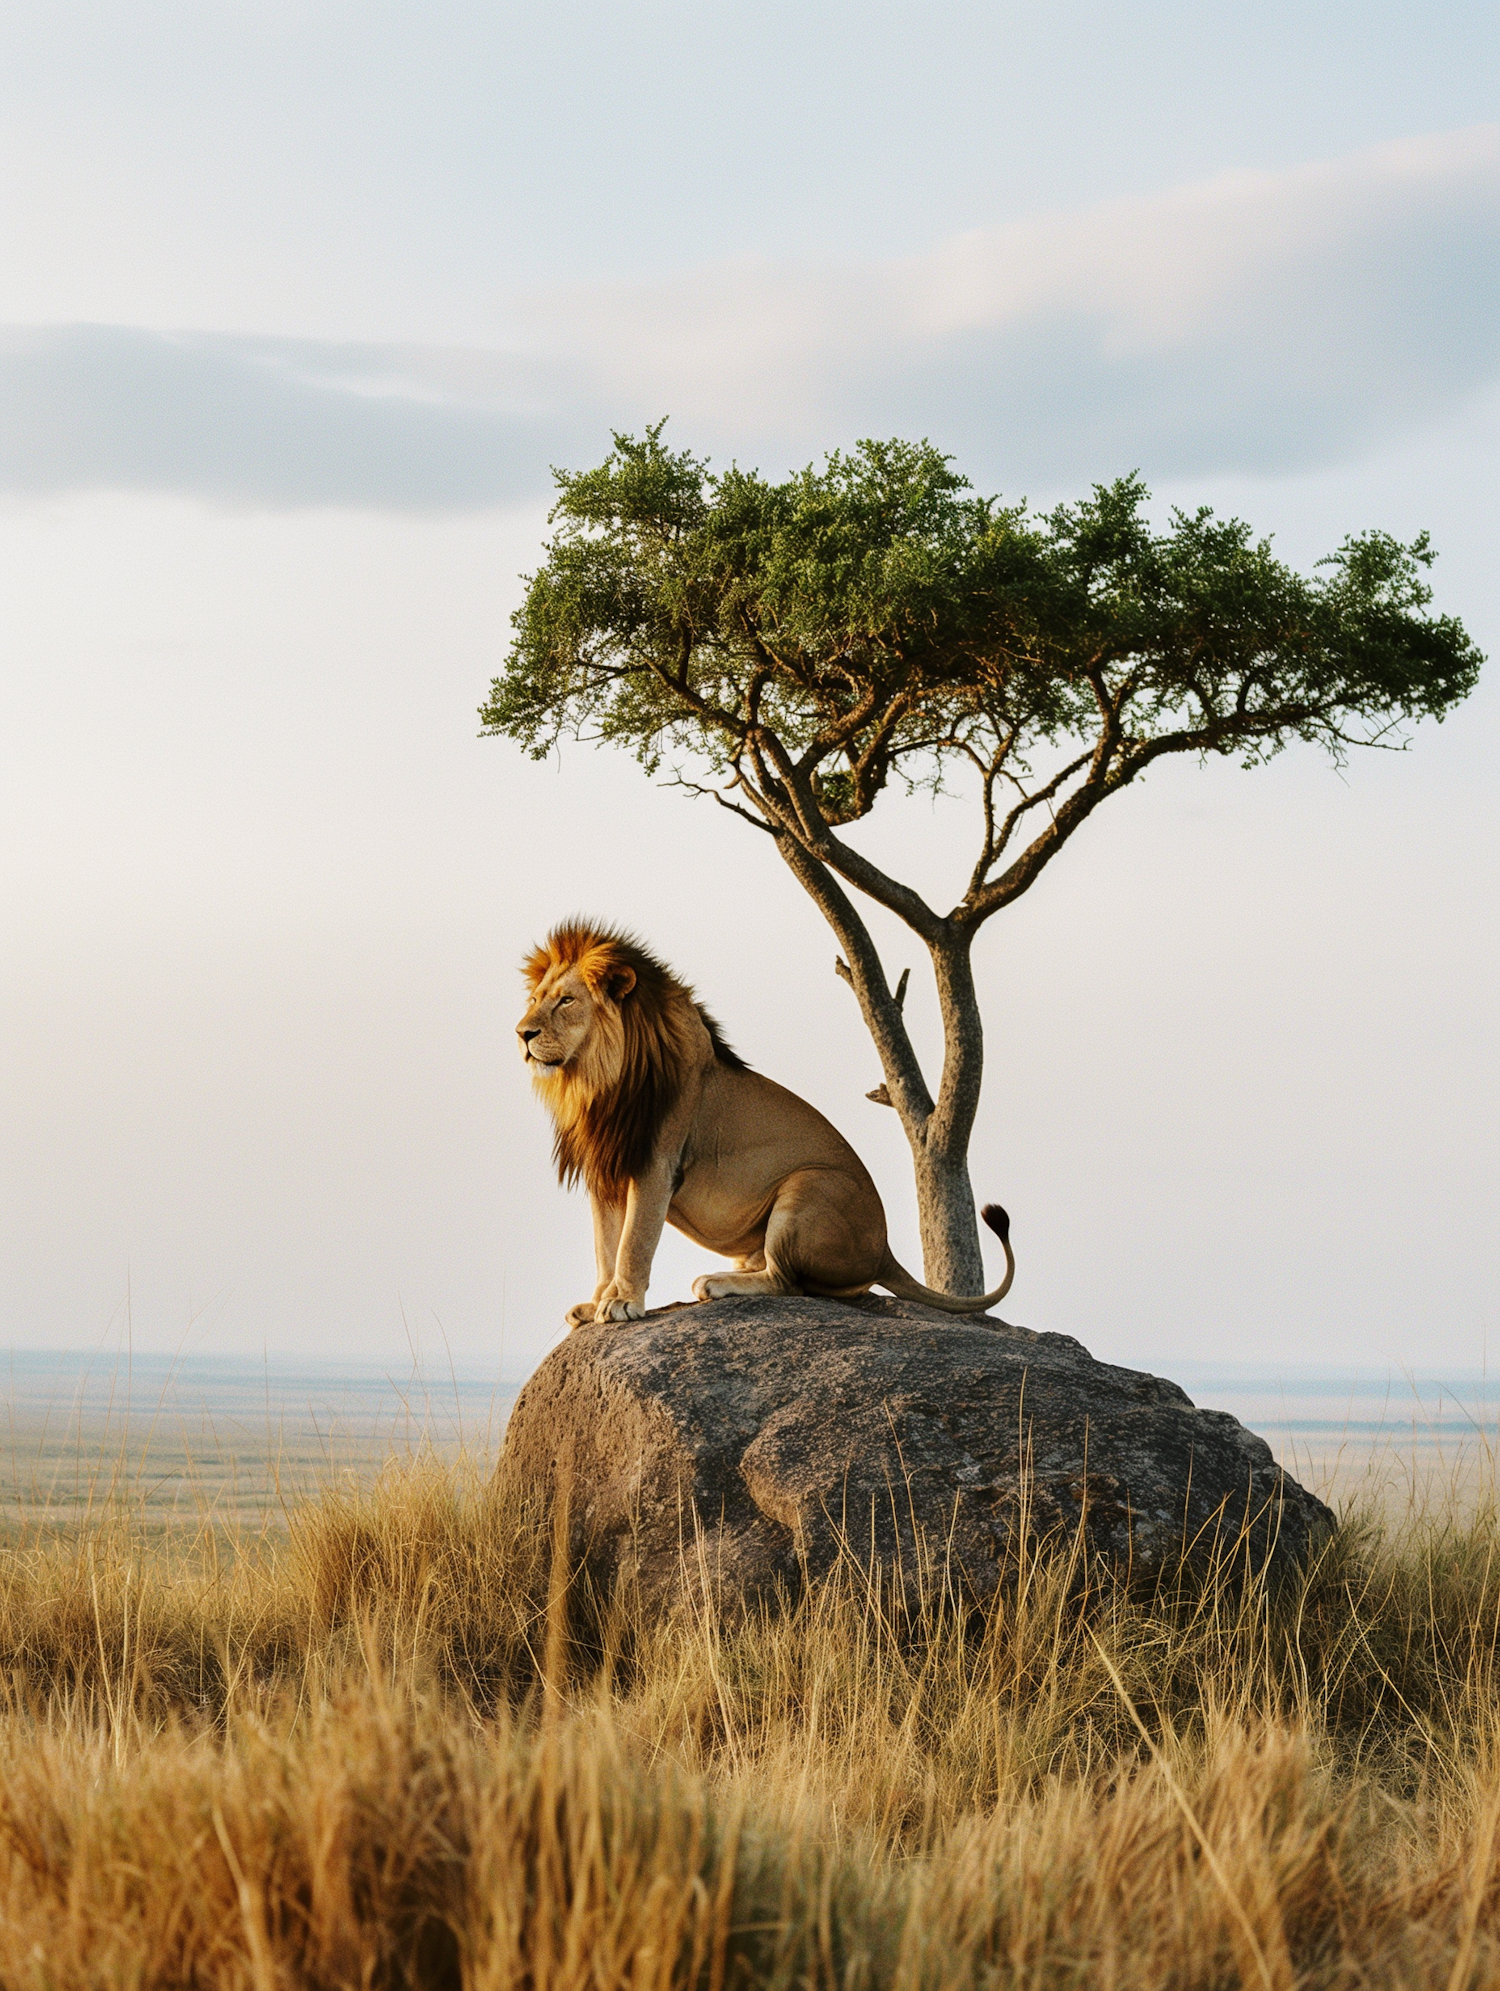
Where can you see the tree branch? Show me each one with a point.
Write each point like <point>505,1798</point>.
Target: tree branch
<point>839,732</point>
<point>677,683</point>
<point>1007,829</point>
<point>804,822</point>
<point>1023,873</point>
<point>860,965</point>
<point>697,789</point>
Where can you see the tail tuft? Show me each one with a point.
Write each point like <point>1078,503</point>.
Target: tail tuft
<point>997,1220</point>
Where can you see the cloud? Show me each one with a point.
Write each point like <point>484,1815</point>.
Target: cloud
<point>259,422</point>
<point>1262,322</point>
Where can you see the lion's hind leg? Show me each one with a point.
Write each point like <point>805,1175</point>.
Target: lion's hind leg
<point>750,1275</point>
<point>818,1240</point>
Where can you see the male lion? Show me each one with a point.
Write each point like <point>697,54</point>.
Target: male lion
<point>665,1124</point>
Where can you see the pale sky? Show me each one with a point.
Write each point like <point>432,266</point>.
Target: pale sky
<point>298,304</point>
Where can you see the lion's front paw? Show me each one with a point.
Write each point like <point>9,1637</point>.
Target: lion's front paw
<point>582,1315</point>
<point>609,1310</point>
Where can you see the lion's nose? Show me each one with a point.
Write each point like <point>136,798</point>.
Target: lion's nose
<point>527,1035</point>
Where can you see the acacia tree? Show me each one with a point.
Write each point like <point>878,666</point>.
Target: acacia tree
<point>799,649</point>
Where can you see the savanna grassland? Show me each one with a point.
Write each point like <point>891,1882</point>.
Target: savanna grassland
<point>388,1741</point>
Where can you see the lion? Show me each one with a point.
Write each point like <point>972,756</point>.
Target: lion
<point>664,1123</point>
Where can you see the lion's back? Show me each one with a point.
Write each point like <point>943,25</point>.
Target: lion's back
<point>747,1112</point>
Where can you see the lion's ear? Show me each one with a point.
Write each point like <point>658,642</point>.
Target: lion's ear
<point>608,976</point>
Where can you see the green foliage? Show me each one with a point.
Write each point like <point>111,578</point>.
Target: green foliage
<point>811,640</point>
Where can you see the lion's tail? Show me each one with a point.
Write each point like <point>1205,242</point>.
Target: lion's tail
<point>896,1279</point>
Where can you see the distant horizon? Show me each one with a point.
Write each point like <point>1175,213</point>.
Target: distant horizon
<point>1287,1397</point>
<point>209,1428</point>
<point>1310,1373</point>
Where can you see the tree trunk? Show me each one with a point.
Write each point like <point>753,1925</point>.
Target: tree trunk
<point>951,1258</point>
<point>938,1131</point>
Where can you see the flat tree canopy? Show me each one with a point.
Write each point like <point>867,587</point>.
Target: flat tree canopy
<point>796,648</point>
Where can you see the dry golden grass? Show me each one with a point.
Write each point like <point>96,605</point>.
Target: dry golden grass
<point>385,1747</point>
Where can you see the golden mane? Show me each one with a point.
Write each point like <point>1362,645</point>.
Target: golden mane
<point>608,1107</point>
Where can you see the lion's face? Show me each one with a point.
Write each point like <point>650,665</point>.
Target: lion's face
<point>558,1023</point>
<point>572,1024</point>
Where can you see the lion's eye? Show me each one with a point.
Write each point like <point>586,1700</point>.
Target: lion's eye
<point>563,1001</point>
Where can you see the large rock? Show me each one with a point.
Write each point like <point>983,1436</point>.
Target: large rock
<point>743,1442</point>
